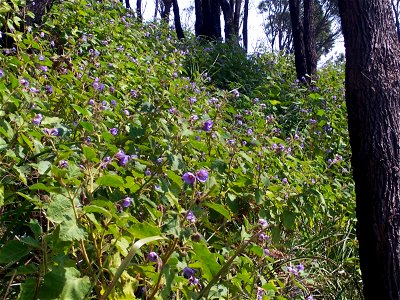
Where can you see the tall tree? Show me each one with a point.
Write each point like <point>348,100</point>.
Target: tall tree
<point>309,36</point>
<point>298,39</point>
<point>231,10</point>
<point>372,96</point>
<point>245,24</point>
<point>166,10</point>
<point>208,23</point>
<point>139,10</point>
<point>177,20</point>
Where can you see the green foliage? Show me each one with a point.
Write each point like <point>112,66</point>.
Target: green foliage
<point>122,178</point>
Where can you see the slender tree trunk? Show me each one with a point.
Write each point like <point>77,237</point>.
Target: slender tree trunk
<point>177,19</point>
<point>167,10</point>
<point>227,10</point>
<point>310,47</point>
<point>127,4</point>
<point>139,10</point>
<point>236,18</point>
<point>156,9</point>
<point>298,41</point>
<point>372,95</point>
<point>198,7</point>
<point>245,24</point>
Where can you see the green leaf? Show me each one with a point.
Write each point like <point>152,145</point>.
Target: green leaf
<point>43,166</point>
<point>87,126</point>
<point>110,180</point>
<point>13,251</point>
<point>81,110</point>
<point>289,219</point>
<point>220,209</point>
<point>89,153</point>
<point>175,178</point>
<point>143,230</point>
<point>97,209</point>
<point>43,187</point>
<point>207,260</point>
<point>27,289</point>
<point>64,283</point>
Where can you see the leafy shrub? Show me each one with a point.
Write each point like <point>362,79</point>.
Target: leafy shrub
<point>122,178</point>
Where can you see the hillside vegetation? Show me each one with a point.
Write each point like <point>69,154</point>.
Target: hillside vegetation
<point>135,166</point>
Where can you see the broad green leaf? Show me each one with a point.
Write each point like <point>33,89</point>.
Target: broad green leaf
<point>220,209</point>
<point>110,180</point>
<point>27,289</point>
<point>43,166</point>
<point>143,230</point>
<point>87,126</point>
<point>43,187</point>
<point>64,283</point>
<point>13,251</point>
<point>89,153</point>
<point>207,260</point>
<point>97,209</point>
<point>289,219</point>
<point>81,110</point>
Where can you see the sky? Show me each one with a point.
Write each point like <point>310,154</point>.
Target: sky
<point>255,23</point>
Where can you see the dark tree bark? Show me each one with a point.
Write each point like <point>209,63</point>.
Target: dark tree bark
<point>227,10</point>
<point>396,11</point>
<point>372,96</point>
<point>245,23</point>
<point>236,18</point>
<point>309,37</point>
<point>177,19</point>
<point>298,40</point>
<point>208,23</point>
<point>139,10</point>
<point>167,10</point>
<point>127,4</point>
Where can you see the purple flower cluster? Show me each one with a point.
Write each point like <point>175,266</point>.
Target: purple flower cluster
<point>126,202</point>
<point>37,119</point>
<point>190,178</point>
<point>189,274</point>
<point>207,125</point>
<point>122,158</point>
<point>191,217</point>
<point>63,164</point>
<point>51,131</point>
<point>295,270</point>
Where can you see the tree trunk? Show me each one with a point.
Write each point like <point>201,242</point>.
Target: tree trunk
<point>167,10</point>
<point>298,41</point>
<point>236,18</point>
<point>245,24</point>
<point>139,10</point>
<point>372,95</point>
<point>155,9</point>
<point>198,8</point>
<point>310,47</point>
<point>177,19</point>
<point>127,4</point>
<point>208,23</point>
<point>227,10</point>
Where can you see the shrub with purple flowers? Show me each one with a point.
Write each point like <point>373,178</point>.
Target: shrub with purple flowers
<point>131,180</point>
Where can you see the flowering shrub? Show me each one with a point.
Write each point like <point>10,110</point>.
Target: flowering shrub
<point>122,178</point>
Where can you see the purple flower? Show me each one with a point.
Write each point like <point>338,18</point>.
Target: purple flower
<point>122,158</point>
<point>263,237</point>
<point>192,100</point>
<point>134,93</point>
<point>260,293</point>
<point>106,161</point>
<point>202,175</point>
<point>193,280</point>
<point>207,126</point>
<point>285,181</point>
<point>310,298</point>
<point>188,272</point>
<point>52,131</point>
<point>37,119</point>
<point>266,252</point>
<point>189,178</point>
<point>126,112</point>
<point>300,267</point>
<point>63,164</point>
<point>236,93</point>
<point>153,257</point>
<point>1,73</point>
<point>24,82</point>
<point>91,102</point>
<point>292,270</point>
<point>263,223</point>
<point>49,89</point>
<point>43,68</point>
<point>114,131</point>
<point>112,89</point>
<point>126,202</point>
<point>113,102</point>
<point>191,217</point>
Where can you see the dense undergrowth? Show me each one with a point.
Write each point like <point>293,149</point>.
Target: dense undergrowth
<point>134,166</point>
